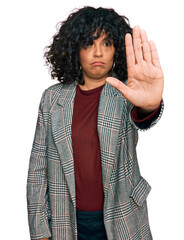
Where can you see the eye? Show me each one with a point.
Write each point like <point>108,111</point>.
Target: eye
<point>108,43</point>
<point>87,44</point>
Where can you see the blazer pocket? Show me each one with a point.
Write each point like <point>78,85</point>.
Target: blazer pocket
<point>140,191</point>
<point>46,211</point>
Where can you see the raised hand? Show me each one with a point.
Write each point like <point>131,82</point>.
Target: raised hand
<point>145,77</point>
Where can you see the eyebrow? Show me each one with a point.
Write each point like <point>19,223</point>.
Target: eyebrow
<point>104,39</point>
<point>108,39</point>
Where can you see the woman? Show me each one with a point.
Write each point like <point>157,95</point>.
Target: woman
<point>83,180</point>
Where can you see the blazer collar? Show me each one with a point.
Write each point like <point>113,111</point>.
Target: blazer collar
<point>67,94</point>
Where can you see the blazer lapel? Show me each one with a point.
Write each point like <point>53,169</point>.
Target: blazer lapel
<point>61,121</point>
<point>110,110</point>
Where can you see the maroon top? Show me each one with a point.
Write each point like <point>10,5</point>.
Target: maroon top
<point>86,149</point>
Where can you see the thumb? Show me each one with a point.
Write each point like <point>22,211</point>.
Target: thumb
<point>118,85</point>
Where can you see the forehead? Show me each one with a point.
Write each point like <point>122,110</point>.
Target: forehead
<point>102,35</point>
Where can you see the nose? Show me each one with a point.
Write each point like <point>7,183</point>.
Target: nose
<point>98,52</point>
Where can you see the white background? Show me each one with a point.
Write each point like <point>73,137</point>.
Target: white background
<point>26,27</point>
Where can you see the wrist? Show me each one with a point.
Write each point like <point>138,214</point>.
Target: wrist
<point>148,110</point>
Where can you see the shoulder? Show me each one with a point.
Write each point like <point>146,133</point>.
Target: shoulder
<point>52,93</point>
<point>58,87</point>
<point>53,88</point>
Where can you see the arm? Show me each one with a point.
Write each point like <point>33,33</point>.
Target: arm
<point>143,121</point>
<point>140,116</point>
<point>37,197</point>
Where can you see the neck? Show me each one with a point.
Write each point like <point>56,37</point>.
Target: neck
<point>89,85</point>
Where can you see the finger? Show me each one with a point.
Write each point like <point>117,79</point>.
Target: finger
<point>137,44</point>
<point>145,47</point>
<point>154,54</point>
<point>129,51</point>
<point>118,85</point>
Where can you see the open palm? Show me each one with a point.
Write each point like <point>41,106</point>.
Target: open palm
<point>145,77</point>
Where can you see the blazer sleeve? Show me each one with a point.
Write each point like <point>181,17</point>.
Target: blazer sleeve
<point>145,125</point>
<point>37,197</point>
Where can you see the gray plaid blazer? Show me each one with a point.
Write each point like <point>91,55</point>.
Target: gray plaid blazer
<point>51,182</point>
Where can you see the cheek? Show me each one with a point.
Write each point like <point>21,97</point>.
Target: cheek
<point>111,55</point>
<point>111,59</point>
<point>84,56</point>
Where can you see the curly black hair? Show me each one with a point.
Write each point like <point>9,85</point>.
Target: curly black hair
<point>62,56</point>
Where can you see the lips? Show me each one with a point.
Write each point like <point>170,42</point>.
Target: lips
<point>98,63</point>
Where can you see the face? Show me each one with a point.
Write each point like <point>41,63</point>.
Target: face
<point>97,59</point>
